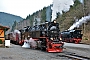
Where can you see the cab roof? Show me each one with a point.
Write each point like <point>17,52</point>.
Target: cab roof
<point>4,27</point>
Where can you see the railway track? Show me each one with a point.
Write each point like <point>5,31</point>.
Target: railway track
<point>73,56</point>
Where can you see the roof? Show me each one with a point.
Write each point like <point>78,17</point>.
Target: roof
<point>4,27</point>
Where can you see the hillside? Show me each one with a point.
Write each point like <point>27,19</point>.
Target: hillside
<point>7,19</point>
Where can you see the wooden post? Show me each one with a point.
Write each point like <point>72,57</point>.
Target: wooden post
<point>84,15</point>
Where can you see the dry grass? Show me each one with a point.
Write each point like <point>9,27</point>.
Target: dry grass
<point>86,38</point>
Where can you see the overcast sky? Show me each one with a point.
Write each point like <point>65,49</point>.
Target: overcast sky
<point>23,7</point>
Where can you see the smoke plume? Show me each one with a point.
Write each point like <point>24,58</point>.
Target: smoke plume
<point>59,6</point>
<point>80,22</point>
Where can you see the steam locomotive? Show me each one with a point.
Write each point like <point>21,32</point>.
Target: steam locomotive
<point>46,35</point>
<point>71,36</point>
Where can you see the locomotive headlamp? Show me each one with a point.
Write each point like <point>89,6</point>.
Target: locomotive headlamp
<point>54,21</point>
<point>60,38</point>
<point>51,38</point>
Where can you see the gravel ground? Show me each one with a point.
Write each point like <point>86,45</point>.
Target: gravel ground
<point>77,45</point>
<point>79,49</point>
<point>16,52</point>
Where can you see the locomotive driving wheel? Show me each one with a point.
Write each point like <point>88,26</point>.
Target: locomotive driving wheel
<point>43,45</point>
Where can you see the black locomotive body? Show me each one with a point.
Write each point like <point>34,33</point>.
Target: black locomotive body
<point>72,36</point>
<point>46,36</point>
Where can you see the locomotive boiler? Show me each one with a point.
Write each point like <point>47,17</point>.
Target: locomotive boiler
<point>46,35</point>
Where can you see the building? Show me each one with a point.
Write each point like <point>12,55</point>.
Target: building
<point>3,30</point>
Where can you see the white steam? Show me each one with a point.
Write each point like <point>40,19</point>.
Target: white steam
<point>59,6</point>
<point>80,22</point>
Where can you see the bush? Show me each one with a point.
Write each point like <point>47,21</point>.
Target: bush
<point>86,38</point>
<point>0,41</point>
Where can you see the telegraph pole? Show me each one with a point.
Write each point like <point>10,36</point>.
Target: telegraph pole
<point>84,15</point>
